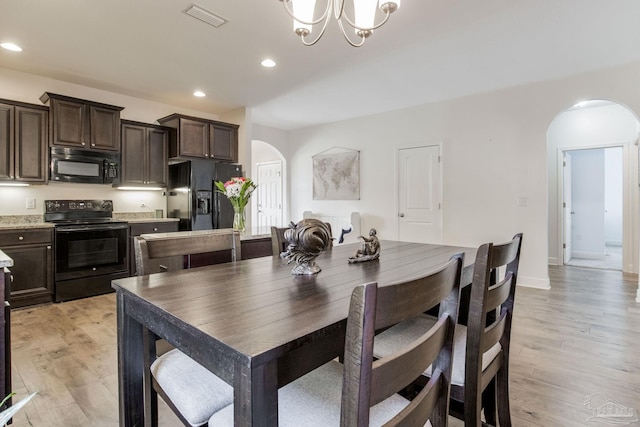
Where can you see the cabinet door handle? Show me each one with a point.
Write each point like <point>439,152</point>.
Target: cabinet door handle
<point>48,247</point>
<point>83,144</point>
<point>155,228</point>
<point>20,238</point>
<point>12,278</point>
<point>93,144</point>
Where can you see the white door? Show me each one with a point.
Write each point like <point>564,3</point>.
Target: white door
<point>419,195</point>
<point>566,207</point>
<point>269,194</point>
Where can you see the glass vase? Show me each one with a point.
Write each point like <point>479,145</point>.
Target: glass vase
<point>238,219</point>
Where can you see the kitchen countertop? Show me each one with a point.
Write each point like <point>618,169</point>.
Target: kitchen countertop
<point>25,225</point>
<point>21,222</point>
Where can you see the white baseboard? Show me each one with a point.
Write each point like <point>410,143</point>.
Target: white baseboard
<point>532,282</point>
<point>638,296</point>
<point>554,261</point>
<point>587,255</point>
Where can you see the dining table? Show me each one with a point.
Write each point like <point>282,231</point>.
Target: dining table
<point>253,323</point>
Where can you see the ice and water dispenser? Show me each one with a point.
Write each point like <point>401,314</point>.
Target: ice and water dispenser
<point>203,202</point>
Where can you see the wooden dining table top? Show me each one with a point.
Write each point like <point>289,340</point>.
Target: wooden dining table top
<point>257,309</point>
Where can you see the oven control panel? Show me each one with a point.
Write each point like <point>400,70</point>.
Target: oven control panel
<point>78,206</point>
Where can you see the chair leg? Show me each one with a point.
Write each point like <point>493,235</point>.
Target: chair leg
<point>150,395</point>
<point>502,389</point>
<point>489,403</point>
<point>473,411</point>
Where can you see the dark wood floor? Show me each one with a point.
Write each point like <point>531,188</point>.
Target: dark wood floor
<point>579,339</point>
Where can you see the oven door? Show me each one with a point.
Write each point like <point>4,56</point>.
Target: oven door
<point>90,250</point>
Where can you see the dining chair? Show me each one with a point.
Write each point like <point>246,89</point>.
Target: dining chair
<point>364,391</point>
<point>278,242</point>
<point>480,374</point>
<point>190,390</point>
<point>162,252</point>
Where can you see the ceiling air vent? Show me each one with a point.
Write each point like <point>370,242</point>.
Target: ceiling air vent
<point>205,16</point>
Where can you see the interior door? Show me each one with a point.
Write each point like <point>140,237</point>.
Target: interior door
<point>269,194</point>
<point>566,207</point>
<point>419,195</point>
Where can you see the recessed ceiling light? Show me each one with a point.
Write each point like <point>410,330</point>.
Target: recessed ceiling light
<point>11,46</point>
<point>269,63</point>
<point>199,94</point>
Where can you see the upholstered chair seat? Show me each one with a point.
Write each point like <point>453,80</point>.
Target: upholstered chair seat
<point>314,400</point>
<point>182,379</point>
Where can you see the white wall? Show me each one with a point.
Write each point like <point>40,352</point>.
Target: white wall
<point>613,196</point>
<point>14,198</point>
<point>494,152</point>
<point>587,203</point>
<point>597,127</point>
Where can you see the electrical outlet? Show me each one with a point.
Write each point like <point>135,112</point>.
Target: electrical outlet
<point>523,201</point>
<point>31,203</point>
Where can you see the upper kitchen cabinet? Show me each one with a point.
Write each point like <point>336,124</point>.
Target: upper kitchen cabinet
<point>202,138</point>
<point>83,124</point>
<point>23,142</point>
<point>144,154</point>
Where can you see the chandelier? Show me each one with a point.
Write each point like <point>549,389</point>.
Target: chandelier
<point>363,24</point>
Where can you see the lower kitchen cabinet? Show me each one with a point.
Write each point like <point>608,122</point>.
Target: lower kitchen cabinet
<point>256,247</point>
<point>32,271</point>
<point>138,228</point>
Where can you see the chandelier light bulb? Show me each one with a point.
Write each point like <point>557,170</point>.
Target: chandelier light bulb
<point>363,22</point>
<point>303,9</point>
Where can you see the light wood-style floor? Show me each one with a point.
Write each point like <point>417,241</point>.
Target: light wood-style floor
<point>579,339</point>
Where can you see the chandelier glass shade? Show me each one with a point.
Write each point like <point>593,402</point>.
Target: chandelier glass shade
<point>363,22</point>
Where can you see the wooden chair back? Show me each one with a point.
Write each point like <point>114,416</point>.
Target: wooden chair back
<point>278,242</point>
<point>161,252</point>
<point>490,316</point>
<point>367,382</point>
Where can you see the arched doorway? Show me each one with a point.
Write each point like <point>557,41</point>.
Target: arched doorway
<point>590,132</point>
<point>269,204</point>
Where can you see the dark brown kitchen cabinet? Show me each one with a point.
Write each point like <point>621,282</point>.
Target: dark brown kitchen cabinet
<point>83,124</point>
<point>23,142</point>
<point>144,154</point>
<point>202,138</point>
<point>32,271</point>
<point>138,228</point>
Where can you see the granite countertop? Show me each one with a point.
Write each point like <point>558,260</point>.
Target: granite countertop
<point>25,225</point>
<point>21,222</point>
<point>5,261</point>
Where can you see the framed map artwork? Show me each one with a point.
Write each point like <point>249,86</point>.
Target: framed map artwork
<point>336,176</point>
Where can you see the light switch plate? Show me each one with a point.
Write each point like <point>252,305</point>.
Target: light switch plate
<point>31,203</point>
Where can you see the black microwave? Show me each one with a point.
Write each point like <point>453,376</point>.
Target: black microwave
<point>89,167</point>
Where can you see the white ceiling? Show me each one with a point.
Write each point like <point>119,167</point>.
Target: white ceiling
<point>430,50</point>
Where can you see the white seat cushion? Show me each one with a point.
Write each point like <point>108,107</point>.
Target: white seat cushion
<point>393,338</point>
<point>194,390</point>
<point>315,399</point>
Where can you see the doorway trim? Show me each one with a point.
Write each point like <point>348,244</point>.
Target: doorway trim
<point>629,183</point>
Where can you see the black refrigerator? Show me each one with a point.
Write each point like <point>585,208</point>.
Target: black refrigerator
<point>192,197</point>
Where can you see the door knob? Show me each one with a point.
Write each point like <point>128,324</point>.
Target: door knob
<point>573,213</point>
<point>401,215</point>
